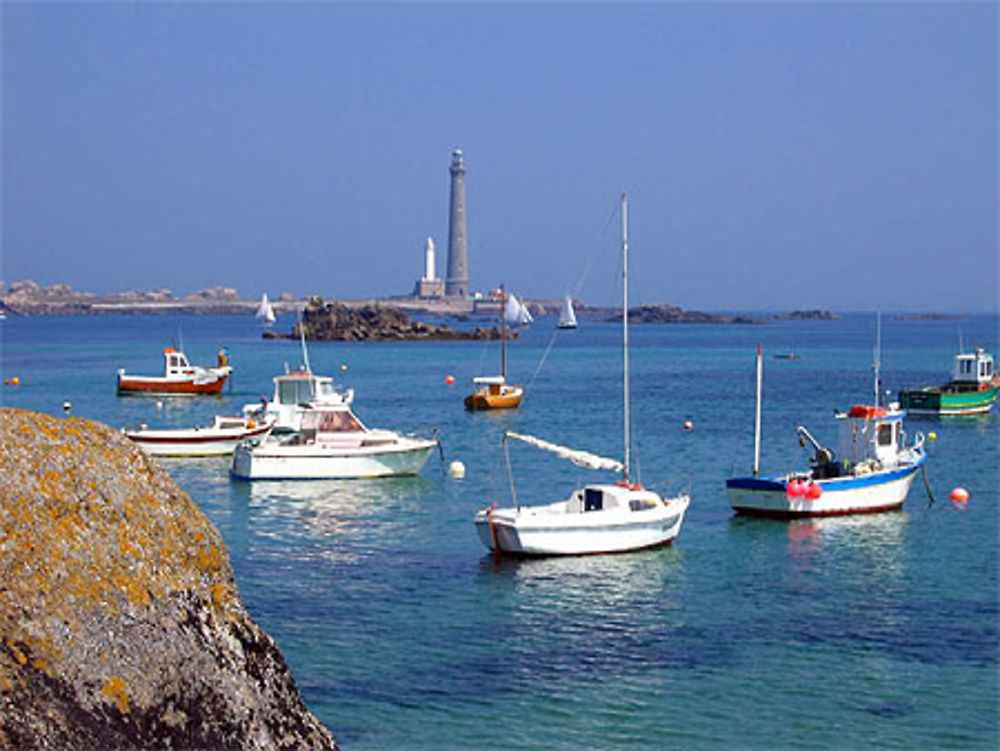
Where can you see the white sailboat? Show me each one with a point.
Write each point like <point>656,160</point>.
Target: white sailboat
<point>265,312</point>
<point>597,518</point>
<point>567,317</point>
<point>515,313</point>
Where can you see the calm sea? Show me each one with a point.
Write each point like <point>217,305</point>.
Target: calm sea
<point>863,632</point>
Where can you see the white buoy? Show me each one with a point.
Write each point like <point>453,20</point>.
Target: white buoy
<point>688,425</point>
<point>159,405</point>
<point>67,406</point>
<point>456,469</point>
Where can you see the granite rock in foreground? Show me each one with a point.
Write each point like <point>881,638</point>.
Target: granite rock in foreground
<point>120,624</point>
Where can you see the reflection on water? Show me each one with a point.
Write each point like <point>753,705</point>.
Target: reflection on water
<point>332,519</point>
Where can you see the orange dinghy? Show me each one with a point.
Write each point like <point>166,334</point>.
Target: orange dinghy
<point>179,378</point>
<point>494,393</point>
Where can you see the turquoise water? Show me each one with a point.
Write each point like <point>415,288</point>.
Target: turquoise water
<point>877,631</point>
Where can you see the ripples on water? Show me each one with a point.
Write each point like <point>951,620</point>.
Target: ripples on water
<point>864,632</point>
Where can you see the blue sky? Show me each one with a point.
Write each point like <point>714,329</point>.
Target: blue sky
<point>777,155</point>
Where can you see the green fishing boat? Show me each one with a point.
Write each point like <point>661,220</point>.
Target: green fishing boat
<point>972,389</point>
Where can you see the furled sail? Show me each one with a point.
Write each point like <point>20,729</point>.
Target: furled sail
<point>579,458</point>
<point>515,312</point>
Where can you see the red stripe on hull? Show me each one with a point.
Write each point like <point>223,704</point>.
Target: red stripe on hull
<point>199,439</point>
<point>164,388</point>
<point>778,514</point>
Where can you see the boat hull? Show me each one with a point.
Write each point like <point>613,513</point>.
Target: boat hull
<point>520,533</point>
<point>941,401</point>
<point>193,443</point>
<point>481,400</point>
<point>159,386</point>
<point>864,494</point>
<point>315,462</point>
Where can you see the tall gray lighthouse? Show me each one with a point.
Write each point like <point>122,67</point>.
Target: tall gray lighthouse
<point>457,282</point>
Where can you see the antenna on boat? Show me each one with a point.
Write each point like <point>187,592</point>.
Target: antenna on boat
<point>305,350</point>
<point>878,354</point>
<point>756,417</point>
<point>625,390</point>
<point>503,332</point>
<point>961,346</point>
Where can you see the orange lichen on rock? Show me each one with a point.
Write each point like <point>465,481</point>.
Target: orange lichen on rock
<point>114,689</point>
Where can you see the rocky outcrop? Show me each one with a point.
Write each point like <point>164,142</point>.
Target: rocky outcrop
<point>807,315</point>
<point>333,321</point>
<point>120,624</point>
<point>672,314</point>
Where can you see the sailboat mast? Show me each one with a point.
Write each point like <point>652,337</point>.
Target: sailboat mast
<point>503,333</point>
<point>756,415</point>
<point>878,353</point>
<point>625,390</point>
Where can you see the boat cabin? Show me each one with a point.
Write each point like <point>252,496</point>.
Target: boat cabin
<point>175,363</point>
<point>872,434</point>
<point>611,498</point>
<point>973,367</point>
<point>303,387</point>
<point>493,384</point>
<point>331,426</point>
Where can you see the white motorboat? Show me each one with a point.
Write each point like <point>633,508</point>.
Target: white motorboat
<point>567,316</point>
<point>598,518</point>
<point>218,439</point>
<point>872,469</point>
<point>332,443</point>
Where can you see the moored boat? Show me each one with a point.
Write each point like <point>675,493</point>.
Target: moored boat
<point>871,471</point>
<point>493,392</point>
<point>218,439</point>
<point>973,388</point>
<point>332,443</point>
<point>597,518</point>
<point>179,378</point>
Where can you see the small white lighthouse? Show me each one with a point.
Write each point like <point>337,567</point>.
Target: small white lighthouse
<point>429,271</point>
<point>429,286</point>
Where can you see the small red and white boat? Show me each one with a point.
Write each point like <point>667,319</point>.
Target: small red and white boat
<point>179,378</point>
<point>218,439</point>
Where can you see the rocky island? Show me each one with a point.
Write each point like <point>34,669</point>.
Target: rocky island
<point>335,321</point>
<point>673,314</point>
<point>120,623</point>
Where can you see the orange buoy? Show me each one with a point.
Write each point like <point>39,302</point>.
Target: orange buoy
<point>960,495</point>
<point>449,379</point>
<point>13,381</point>
<point>795,489</point>
<point>813,491</point>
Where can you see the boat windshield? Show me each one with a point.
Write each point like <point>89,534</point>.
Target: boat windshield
<point>295,391</point>
<point>326,421</point>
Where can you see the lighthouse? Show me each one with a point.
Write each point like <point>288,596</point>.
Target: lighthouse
<point>457,281</point>
<point>429,286</point>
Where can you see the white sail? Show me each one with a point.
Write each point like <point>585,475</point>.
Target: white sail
<point>264,311</point>
<point>579,458</point>
<point>515,313</point>
<point>567,318</point>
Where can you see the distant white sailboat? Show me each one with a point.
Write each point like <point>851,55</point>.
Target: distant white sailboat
<point>567,318</point>
<point>515,313</point>
<point>265,313</point>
